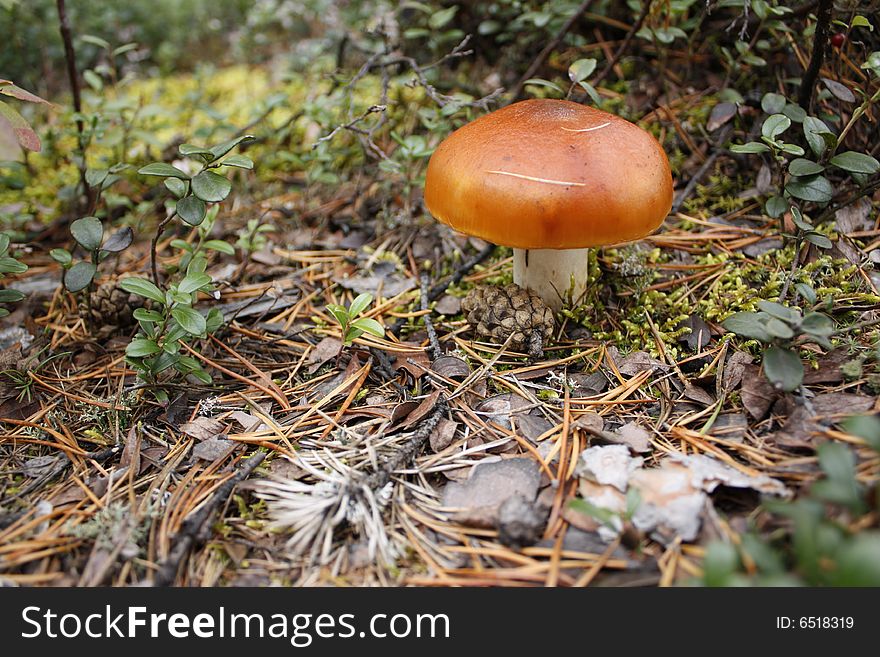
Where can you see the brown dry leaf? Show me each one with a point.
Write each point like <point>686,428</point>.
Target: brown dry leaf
<point>247,421</point>
<point>214,449</point>
<point>804,422</point>
<point>697,394</point>
<point>448,305</point>
<point>758,394</point>
<point>640,361</point>
<point>203,428</point>
<point>734,368</point>
<point>720,114</point>
<point>425,407</point>
<point>490,485</point>
<point>451,367</point>
<point>443,435</point>
<point>854,217</point>
<point>499,408</point>
<point>637,438</point>
<point>531,426</point>
<point>420,357</point>
<point>325,350</point>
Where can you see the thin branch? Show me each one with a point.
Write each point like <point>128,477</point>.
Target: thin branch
<point>820,44</point>
<point>646,7</point>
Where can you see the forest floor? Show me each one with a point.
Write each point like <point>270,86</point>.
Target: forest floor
<point>644,435</point>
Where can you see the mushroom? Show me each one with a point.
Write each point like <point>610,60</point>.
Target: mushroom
<point>550,178</point>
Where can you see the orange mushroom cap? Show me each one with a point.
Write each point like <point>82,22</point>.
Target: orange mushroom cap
<point>550,174</point>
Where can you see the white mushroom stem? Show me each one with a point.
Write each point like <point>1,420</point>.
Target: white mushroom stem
<point>551,273</point>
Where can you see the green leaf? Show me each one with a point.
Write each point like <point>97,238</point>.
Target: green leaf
<point>720,564</point>
<point>188,150</point>
<point>783,368</point>
<point>176,186</point>
<point>142,287</point>
<point>219,245</point>
<point>140,347</point>
<point>95,177</point>
<point>807,292</point>
<point>369,325</point>
<point>359,304</point>
<point>193,282</point>
<point>858,562</point>
<point>748,325</point>
<point>581,70</point>
<point>776,310</point>
<point>240,161</point>
<point>222,149</point>
<point>79,276</point>
<point>9,265</point>
<point>192,209</point>
<point>4,242</point>
<point>61,256</point>
<point>211,187</point>
<point>819,240</point>
<point>591,92</point>
<point>803,167</point>
<point>773,103</point>
<point>861,21</point>
<point>88,232</point>
<point>750,147</point>
<point>214,320</point>
<point>339,313</point>
<point>779,329</point>
<point>440,18</point>
<point>95,41</point>
<point>190,320</point>
<point>873,62</point>
<point>10,296</point>
<point>795,112</point>
<point>817,188</point>
<point>144,315</point>
<point>799,219</point>
<point>164,170</point>
<point>775,125</point>
<point>540,82</point>
<point>856,162</point>
<point>119,241</point>
<point>93,80</point>
<point>818,136</point>
<point>792,149</point>
<point>866,427</point>
<point>817,324</point>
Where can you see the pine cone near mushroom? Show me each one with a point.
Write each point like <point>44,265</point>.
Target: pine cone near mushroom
<point>497,313</point>
<point>111,309</point>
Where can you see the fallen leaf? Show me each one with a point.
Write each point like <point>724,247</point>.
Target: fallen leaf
<point>855,217</point>
<point>489,486</point>
<point>757,393</point>
<point>448,305</point>
<point>640,361</point>
<point>700,334</point>
<point>734,368</point>
<point>720,114</point>
<point>443,435</point>
<point>325,350</point>
<point>203,428</point>
<point>451,367</point>
<point>214,449</point>
<point>532,426</point>
<point>635,437</point>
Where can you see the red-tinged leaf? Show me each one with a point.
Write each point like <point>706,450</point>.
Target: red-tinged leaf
<point>23,132</point>
<point>10,89</point>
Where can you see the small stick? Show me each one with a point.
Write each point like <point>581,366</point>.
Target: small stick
<point>429,325</point>
<point>646,7</point>
<point>820,43</point>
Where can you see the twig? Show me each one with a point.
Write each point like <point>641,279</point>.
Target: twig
<point>820,43</point>
<point>192,526</point>
<point>550,47</point>
<point>70,57</point>
<point>646,7</point>
<point>429,325</point>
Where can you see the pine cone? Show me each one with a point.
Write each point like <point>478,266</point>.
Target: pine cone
<point>496,313</point>
<point>111,309</point>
